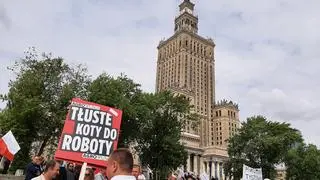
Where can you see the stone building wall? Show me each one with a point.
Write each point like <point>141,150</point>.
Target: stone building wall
<point>10,177</point>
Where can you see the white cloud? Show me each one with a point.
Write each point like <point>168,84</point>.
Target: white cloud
<point>266,54</point>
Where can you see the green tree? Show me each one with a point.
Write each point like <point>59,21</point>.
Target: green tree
<point>260,143</point>
<point>38,98</point>
<point>150,122</point>
<point>165,115</point>
<point>303,163</point>
<point>122,93</point>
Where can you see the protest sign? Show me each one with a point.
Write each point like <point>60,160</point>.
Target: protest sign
<point>90,133</point>
<point>251,173</point>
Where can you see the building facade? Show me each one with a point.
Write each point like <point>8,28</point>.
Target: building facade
<point>186,66</point>
<point>281,172</point>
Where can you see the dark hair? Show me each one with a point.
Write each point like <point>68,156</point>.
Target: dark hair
<point>77,170</point>
<point>124,158</point>
<point>91,173</point>
<point>59,161</point>
<point>50,164</point>
<point>189,175</point>
<point>90,170</point>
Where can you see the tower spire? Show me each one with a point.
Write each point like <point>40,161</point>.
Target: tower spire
<point>186,20</point>
<point>186,4</point>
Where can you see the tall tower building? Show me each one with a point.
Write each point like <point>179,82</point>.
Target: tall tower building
<point>186,66</point>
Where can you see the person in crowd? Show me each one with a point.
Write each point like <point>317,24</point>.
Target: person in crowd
<point>70,171</point>
<point>33,169</point>
<point>6,165</point>
<point>141,177</point>
<point>89,174</point>
<point>189,176</point>
<point>171,176</point>
<point>95,170</point>
<point>50,171</point>
<point>62,171</point>
<point>136,171</point>
<point>77,170</point>
<point>120,164</point>
<point>42,163</point>
<point>100,175</point>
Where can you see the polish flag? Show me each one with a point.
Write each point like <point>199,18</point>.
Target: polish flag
<point>9,146</point>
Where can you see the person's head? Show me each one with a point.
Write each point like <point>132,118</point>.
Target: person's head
<point>60,162</point>
<point>37,160</point>
<point>171,176</point>
<point>89,174</point>
<point>136,170</point>
<point>52,169</point>
<point>70,167</point>
<point>103,171</point>
<point>120,162</point>
<point>41,158</point>
<point>189,177</point>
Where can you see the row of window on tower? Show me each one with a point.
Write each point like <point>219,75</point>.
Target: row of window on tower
<point>170,72</point>
<point>230,114</point>
<point>232,128</point>
<point>193,47</point>
<point>170,76</point>
<point>186,24</point>
<point>219,138</point>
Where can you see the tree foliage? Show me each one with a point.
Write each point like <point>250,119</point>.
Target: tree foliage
<point>38,98</point>
<point>122,93</point>
<point>165,115</point>
<point>303,163</point>
<point>260,143</point>
<point>150,122</point>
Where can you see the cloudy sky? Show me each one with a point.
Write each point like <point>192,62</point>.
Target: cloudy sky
<point>267,52</point>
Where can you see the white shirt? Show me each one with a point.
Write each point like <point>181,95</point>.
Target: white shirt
<point>41,177</point>
<point>141,177</point>
<point>123,177</point>
<point>99,176</point>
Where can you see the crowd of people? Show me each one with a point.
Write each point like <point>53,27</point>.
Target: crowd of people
<point>120,167</point>
<point>186,176</point>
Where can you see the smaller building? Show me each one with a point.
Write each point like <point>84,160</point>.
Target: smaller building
<point>281,172</point>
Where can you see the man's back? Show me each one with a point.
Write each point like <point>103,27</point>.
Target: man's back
<point>70,175</point>
<point>32,171</point>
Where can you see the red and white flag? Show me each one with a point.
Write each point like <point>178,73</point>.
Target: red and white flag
<point>9,146</point>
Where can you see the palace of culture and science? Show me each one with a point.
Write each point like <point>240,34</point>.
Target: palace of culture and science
<point>186,66</point>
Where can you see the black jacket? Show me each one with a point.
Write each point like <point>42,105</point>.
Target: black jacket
<point>32,171</point>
